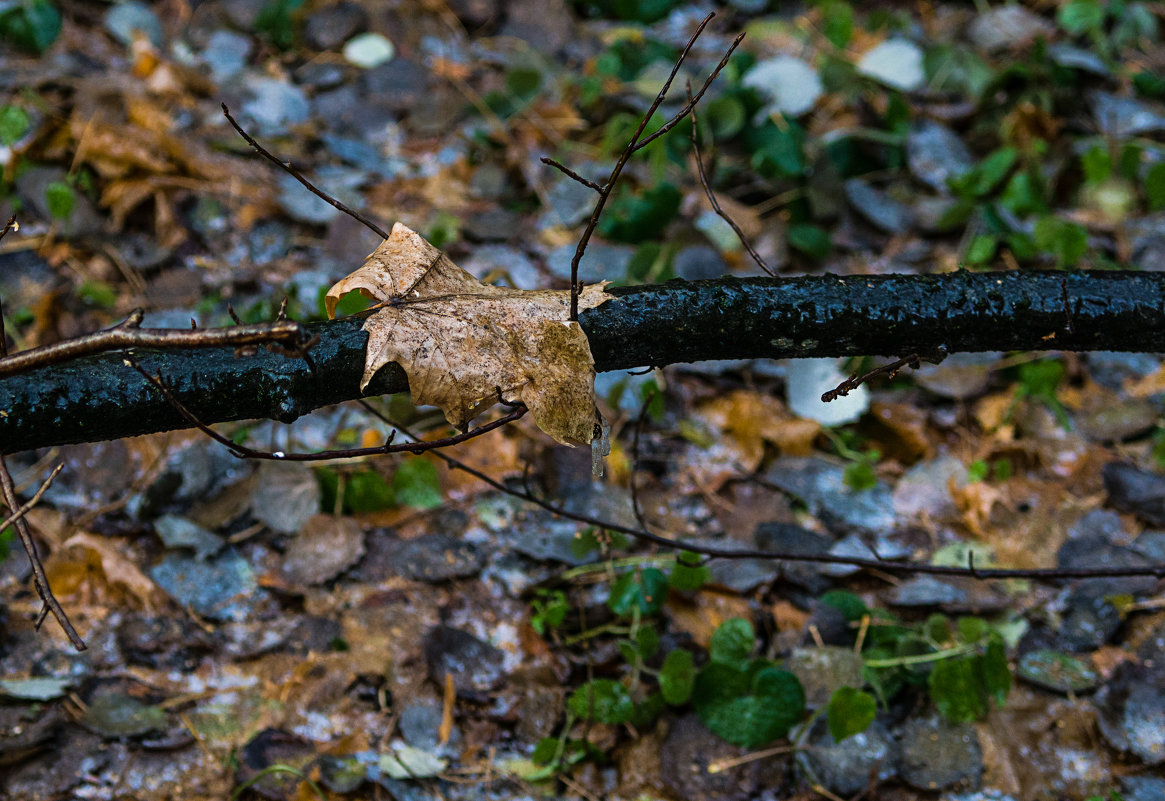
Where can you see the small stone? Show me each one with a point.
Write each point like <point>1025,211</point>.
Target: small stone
<point>275,105</point>
<point>808,379</point>
<point>115,715</point>
<point>400,84</point>
<point>285,496</point>
<point>125,19</point>
<point>324,547</point>
<point>1057,671</point>
<point>1131,489</point>
<point>221,588</point>
<point>476,666</point>
<point>178,532</point>
<point>877,207</point>
<point>434,558</point>
<point>688,750</point>
<point>1131,713</point>
<point>937,754</point>
<point>268,242</point>
<point>925,489</point>
<point>1147,241</point>
<point>600,262</point>
<point>568,203</point>
<point>935,154</point>
<point>823,670</point>
<point>791,86</point>
<point>368,50</point>
<point>1079,58</point>
<point>1118,420</point>
<point>226,54</point>
<point>332,25</point>
<point>845,768</point>
<point>1007,27</point>
<point>1122,117</point>
<point>699,262</point>
<point>897,63</point>
<point>961,375</point>
<point>927,591</point>
<point>420,725</point>
<point>1142,788</point>
<point>820,484</point>
<point>1090,620</point>
<point>1111,369</point>
<point>790,538</point>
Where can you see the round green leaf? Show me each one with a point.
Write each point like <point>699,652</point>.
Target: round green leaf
<point>602,700</point>
<point>677,677</point>
<point>644,590</point>
<point>13,124</point>
<point>850,712</point>
<point>732,642</point>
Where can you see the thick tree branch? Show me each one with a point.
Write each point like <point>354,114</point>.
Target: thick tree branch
<point>98,397</point>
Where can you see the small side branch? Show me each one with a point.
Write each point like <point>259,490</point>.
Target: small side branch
<point>890,370</point>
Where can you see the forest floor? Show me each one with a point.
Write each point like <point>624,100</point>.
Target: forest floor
<point>392,628</point>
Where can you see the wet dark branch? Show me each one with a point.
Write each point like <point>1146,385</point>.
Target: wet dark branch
<point>98,397</point>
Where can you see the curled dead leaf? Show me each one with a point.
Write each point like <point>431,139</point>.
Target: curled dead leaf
<point>466,345</point>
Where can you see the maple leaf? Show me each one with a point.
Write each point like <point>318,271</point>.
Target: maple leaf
<point>461,341</point>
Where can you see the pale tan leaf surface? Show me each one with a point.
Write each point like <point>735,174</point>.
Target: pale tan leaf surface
<point>461,341</point>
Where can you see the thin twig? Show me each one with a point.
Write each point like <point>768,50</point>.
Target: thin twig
<point>244,452</point>
<point>39,579</point>
<point>635,505</point>
<point>128,334</point>
<point>756,257</point>
<point>571,174</point>
<point>903,568</point>
<point>889,370</point>
<point>294,173</point>
<point>635,144</point>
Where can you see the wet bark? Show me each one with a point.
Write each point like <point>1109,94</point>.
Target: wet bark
<point>99,397</point>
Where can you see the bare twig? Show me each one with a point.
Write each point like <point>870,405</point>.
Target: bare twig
<point>244,452</point>
<point>39,579</point>
<point>889,370</point>
<point>756,257</point>
<point>571,174</point>
<point>129,334</point>
<point>636,143</point>
<point>294,173</point>
<point>895,568</point>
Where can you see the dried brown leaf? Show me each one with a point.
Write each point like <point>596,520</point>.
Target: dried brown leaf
<point>462,342</point>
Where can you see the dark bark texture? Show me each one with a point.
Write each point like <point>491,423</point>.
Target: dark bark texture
<point>100,397</point>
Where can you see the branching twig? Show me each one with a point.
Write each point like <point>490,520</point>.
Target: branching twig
<point>889,370</point>
<point>637,143</point>
<point>128,334</point>
<point>897,568</point>
<point>294,173</point>
<point>756,257</point>
<point>244,452</point>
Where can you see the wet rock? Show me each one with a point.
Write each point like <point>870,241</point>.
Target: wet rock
<point>226,54</point>
<point>897,63</point>
<point>937,754</point>
<point>268,241</point>
<point>568,202</point>
<point>1008,27</point>
<point>130,18</point>
<point>1057,671</point>
<point>369,50</point>
<point>927,591</point>
<point>420,724</point>
<point>1111,369</point>
<point>1142,788</point>
<point>35,185</point>
<point>877,207</point>
<point>476,666</point>
<point>699,262</point>
<point>601,261</point>
<point>222,588</point>
<point>925,489</point>
<point>178,532</point>
<point>822,670</point>
<point>1147,241</point>
<point>935,154</point>
<point>960,375</point>
<point>688,750</point>
<point>821,486</point>
<point>791,86</point>
<point>789,538</point>
<point>1089,620</point>
<point>1131,489</point>
<point>1121,117</point>
<point>333,25</point>
<point>856,546</point>
<point>846,767</point>
<point>320,75</point>
<point>42,777</point>
<point>808,379</point>
<point>1078,58</point>
<point>273,747</point>
<point>475,13</point>
<point>285,496</point>
<point>25,730</point>
<point>492,225</point>
<point>1118,420</point>
<point>273,105</point>
<point>399,85</point>
<point>1131,713</point>
<point>545,27</point>
<point>115,714</point>
<point>520,271</point>
<point>324,547</point>
<point>434,558</point>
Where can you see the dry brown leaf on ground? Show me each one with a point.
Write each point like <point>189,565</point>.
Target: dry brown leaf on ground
<point>461,341</point>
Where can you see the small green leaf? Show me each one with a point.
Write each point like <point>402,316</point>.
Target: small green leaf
<point>602,700</point>
<point>778,150</point>
<point>996,672</point>
<point>850,605</point>
<point>545,751</point>
<point>584,542</point>
<point>859,476</point>
<point>32,24</point>
<point>61,198</point>
<point>676,677</point>
<point>732,642</point>
<point>992,170</point>
<point>812,240</point>
<point>688,577</point>
<point>850,712</point>
<point>645,590</point>
<point>634,218</point>
<point>1081,16</point>
<point>1053,670</point>
<point>977,471</point>
<point>957,689</point>
<point>14,124</point>
<point>367,491</point>
<point>982,249</point>
<point>1155,186</point>
<point>416,484</point>
<point>647,641</point>
<point>1097,164</point>
<point>1067,241</point>
<point>748,707</point>
<point>972,629</point>
<point>837,22</point>
<point>98,293</point>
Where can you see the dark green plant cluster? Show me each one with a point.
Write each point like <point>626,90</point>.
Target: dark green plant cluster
<point>741,695</point>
